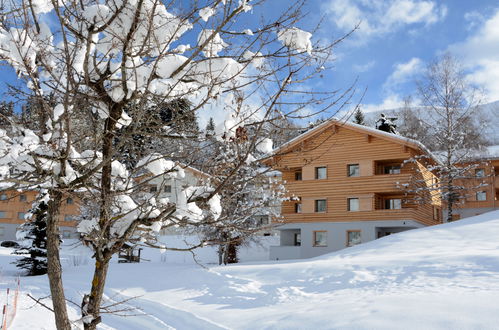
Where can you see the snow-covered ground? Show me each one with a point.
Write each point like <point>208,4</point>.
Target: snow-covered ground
<point>443,277</point>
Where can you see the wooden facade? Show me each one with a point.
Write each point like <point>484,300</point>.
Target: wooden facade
<point>364,172</point>
<point>483,193</point>
<point>14,205</point>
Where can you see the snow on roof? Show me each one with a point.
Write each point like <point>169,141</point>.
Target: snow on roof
<point>370,130</point>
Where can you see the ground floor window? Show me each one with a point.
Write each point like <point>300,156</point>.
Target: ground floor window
<point>353,237</point>
<point>66,234</point>
<point>297,239</point>
<point>2,231</point>
<point>320,238</point>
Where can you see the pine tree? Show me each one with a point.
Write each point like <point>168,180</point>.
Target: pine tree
<point>210,127</point>
<point>359,117</point>
<point>35,232</point>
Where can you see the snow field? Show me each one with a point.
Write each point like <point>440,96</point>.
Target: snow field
<point>441,277</point>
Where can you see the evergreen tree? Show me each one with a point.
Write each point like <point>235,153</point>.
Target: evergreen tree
<point>359,117</point>
<point>210,127</point>
<point>35,232</point>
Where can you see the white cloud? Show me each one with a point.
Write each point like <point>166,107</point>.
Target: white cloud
<point>392,101</point>
<point>403,72</point>
<point>364,67</point>
<point>379,17</point>
<point>480,56</point>
<point>473,18</point>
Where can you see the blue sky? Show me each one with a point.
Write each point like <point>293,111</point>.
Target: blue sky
<point>397,38</point>
<point>395,41</point>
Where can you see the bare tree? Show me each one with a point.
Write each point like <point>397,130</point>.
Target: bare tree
<point>447,123</point>
<point>114,63</point>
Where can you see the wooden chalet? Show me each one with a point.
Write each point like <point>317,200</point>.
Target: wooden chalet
<point>344,180</point>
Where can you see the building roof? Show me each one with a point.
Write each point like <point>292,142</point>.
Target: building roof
<point>360,128</point>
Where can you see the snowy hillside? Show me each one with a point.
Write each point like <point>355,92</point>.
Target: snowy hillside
<point>442,277</point>
<point>488,113</point>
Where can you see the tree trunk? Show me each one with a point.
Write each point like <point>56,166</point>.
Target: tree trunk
<point>232,253</point>
<point>54,269</point>
<point>97,291</point>
<point>220,254</point>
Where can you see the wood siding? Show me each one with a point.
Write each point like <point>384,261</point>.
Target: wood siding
<point>489,184</point>
<point>336,149</point>
<point>13,205</point>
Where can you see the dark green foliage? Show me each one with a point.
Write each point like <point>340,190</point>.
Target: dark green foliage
<point>359,117</point>
<point>35,233</point>
<point>210,127</point>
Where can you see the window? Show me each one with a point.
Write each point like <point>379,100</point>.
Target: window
<point>436,213</point>
<point>320,238</point>
<point>167,189</point>
<point>23,198</point>
<point>263,220</point>
<point>69,201</point>
<point>481,195</point>
<point>2,231</point>
<point>3,214</point>
<point>297,207</point>
<point>353,204</point>
<point>298,176</point>
<point>392,169</point>
<point>320,173</point>
<point>353,237</point>
<point>353,170</point>
<point>297,239</point>
<point>393,204</point>
<point>21,215</point>
<point>153,189</point>
<point>3,197</point>
<point>479,172</point>
<point>66,234</point>
<point>68,217</point>
<point>320,205</point>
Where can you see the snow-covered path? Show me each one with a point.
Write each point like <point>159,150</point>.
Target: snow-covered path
<point>444,277</point>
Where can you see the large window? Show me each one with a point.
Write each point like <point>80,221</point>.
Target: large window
<point>391,169</point>
<point>320,205</point>
<point>3,214</point>
<point>353,237</point>
<point>353,170</point>
<point>321,172</point>
<point>393,204</point>
<point>353,204</point>
<point>479,172</point>
<point>298,176</point>
<point>481,195</point>
<point>68,217</point>
<point>320,238</point>
<point>3,197</point>
<point>21,215</point>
